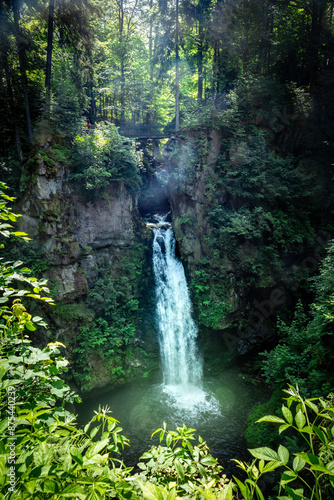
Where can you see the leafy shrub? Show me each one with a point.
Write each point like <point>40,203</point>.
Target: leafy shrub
<point>66,107</point>
<point>103,156</point>
<point>179,464</point>
<point>305,349</point>
<point>209,293</point>
<point>262,435</point>
<point>302,475</point>
<point>113,303</point>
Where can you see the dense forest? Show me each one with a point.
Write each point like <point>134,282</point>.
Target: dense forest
<point>220,113</point>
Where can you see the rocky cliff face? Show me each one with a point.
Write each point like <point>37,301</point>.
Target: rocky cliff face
<point>222,292</point>
<point>76,233</point>
<point>188,192</point>
<point>69,226</point>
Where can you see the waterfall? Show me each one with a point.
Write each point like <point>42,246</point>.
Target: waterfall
<point>181,362</point>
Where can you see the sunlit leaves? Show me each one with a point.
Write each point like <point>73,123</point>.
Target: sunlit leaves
<point>102,156</point>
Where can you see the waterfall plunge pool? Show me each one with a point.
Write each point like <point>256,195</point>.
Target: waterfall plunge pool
<point>218,411</point>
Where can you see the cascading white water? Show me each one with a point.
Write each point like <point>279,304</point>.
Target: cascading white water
<point>181,362</point>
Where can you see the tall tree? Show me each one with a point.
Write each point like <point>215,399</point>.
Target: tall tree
<point>23,64</point>
<point>177,103</point>
<point>49,58</point>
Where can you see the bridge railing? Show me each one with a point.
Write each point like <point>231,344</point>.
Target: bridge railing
<point>146,131</point>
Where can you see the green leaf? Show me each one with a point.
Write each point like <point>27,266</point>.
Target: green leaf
<point>37,319</point>
<point>202,470</point>
<point>283,427</point>
<point>43,454</point>
<point>310,458</point>
<point>272,418</point>
<point>168,440</point>
<point>295,494</point>
<point>287,414</point>
<point>321,435</point>
<point>96,448</point>
<point>150,491</point>
<point>190,448</point>
<point>300,419</point>
<point>209,461</point>
<point>298,464</point>
<point>76,455</point>
<point>94,431</point>
<point>288,476</point>
<point>311,405</point>
<point>307,430</point>
<point>320,468</point>
<point>330,465</point>
<point>30,486</point>
<point>171,495</point>
<point>179,469</point>
<point>259,492</point>
<point>270,466</point>
<point>244,489</point>
<point>94,495</point>
<point>50,486</point>
<point>264,453</point>
<point>30,326</point>
<point>74,491</point>
<point>283,453</point>
<point>226,493</point>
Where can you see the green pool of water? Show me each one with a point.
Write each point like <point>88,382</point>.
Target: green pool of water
<point>218,411</point>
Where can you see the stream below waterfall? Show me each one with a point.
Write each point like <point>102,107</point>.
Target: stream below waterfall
<point>216,406</point>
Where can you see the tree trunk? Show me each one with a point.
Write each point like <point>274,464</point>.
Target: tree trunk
<point>150,38</point>
<point>122,118</point>
<point>264,49</point>
<point>13,111</point>
<point>92,111</point>
<point>121,26</point>
<point>49,59</point>
<point>23,66</point>
<point>200,64</point>
<point>318,10</point>
<point>177,103</point>
<point>271,28</point>
<point>214,70</point>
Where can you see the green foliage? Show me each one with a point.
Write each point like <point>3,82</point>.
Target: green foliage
<point>43,453</point>
<point>259,196</point>
<point>290,361</point>
<point>103,156</point>
<point>312,421</point>
<point>32,254</point>
<point>66,106</point>
<point>303,354</point>
<point>209,292</point>
<point>114,307</point>
<point>188,469</point>
<point>72,312</point>
<point>260,434</point>
<point>13,272</point>
<point>254,171</point>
